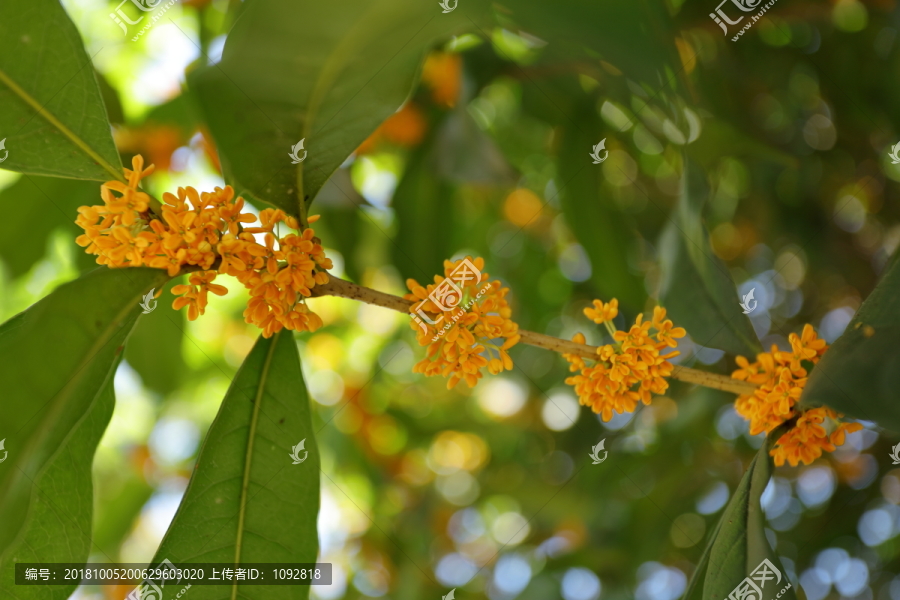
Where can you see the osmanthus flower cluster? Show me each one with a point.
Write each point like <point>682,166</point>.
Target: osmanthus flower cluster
<point>781,378</point>
<point>463,319</point>
<point>459,318</point>
<point>629,371</point>
<point>207,230</point>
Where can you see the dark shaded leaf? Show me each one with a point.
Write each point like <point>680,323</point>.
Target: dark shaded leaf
<point>738,545</point>
<point>154,347</point>
<point>696,287</point>
<point>629,34</point>
<point>860,374</point>
<point>114,523</point>
<point>465,154</point>
<point>33,207</point>
<point>600,228</point>
<point>423,204</point>
<point>111,101</point>
<point>339,204</point>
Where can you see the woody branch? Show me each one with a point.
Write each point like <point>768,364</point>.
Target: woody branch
<point>346,289</point>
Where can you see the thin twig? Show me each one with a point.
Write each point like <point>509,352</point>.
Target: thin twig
<point>346,289</point>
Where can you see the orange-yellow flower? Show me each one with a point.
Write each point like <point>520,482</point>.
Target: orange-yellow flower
<point>443,74</point>
<point>603,312</point>
<point>194,296</point>
<point>461,327</point>
<point>201,229</point>
<point>406,128</point>
<point>781,377</point>
<point>629,371</point>
<point>817,430</point>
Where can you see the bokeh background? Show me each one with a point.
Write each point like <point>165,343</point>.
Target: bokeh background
<point>491,490</point>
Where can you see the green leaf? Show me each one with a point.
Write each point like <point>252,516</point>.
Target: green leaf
<point>697,288</point>
<point>58,525</point>
<point>738,545</point>
<point>114,111</point>
<point>718,134</point>
<point>693,590</point>
<point>860,374</point>
<point>247,501</point>
<point>632,35</point>
<point>154,347</point>
<point>600,228</point>
<point>423,205</point>
<point>342,220</point>
<point>324,73</point>
<point>53,117</point>
<point>463,153</point>
<point>54,358</point>
<point>33,207</point>
<point>120,508</point>
<point>177,112</point>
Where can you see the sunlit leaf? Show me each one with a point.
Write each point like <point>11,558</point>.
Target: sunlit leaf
<point>53,118</point>
<point>327,74</point>
<point>247,501</point>
<point>54,359</point>
<point>58,525</point>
